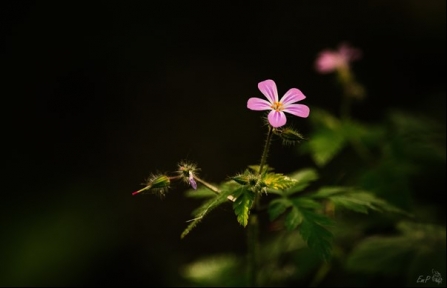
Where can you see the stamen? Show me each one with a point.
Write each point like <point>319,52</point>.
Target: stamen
<point>277,106</point>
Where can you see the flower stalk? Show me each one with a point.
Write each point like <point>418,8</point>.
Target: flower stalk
<point>212,188</point>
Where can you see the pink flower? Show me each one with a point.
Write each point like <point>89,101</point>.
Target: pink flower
<point>330,60</point>
<point>276,116</point>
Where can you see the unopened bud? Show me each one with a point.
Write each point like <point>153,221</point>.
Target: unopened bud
<point>161,181</point>
<point>158,184</point>
<point>241,179</point>
<point>246,179</point>
<point>187,172</point>
<point>288,135</point>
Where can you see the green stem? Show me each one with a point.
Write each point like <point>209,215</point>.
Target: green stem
<point>253,223</point>
<point>212,188</point>
<point>253,250</point>
<point>266,150</point>
<point>345,78</point>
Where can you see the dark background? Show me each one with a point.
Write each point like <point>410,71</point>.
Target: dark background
<point>97,95</point>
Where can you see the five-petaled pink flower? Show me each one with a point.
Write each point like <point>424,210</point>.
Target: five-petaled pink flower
<point>276,116</point>
<point>330,60</point>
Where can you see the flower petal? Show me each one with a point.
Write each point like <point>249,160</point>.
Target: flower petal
<point>292,96</point>
<point>327,61</point>
<point>268,88</point>
<point>349,53</point>
<point>277,118</point>
<point>192,181</point>
<point>258,104</point>
<point>299,110</point>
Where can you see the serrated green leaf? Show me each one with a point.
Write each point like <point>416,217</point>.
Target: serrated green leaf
<point>288,135</point>
<point>302,179</point>
<point>207,207</point>
<point>312,226</point>
<point>398,254</point>
<point>305,202</point>
<point>293,219</point>
<point>202,192</point>
<point>320,117</point>
<point>367,134</point>
<point>375,253</point>
<point>375,203</point>
<point>314,232</point>
<point>191,226</point>
<point>305,175</point>
<point>326,140</point>
<point>324,144</point>
<point>355,200</point>
<point>421,137</point>
<point>255,168</point>
<point>242,204</point>
<point>277,181</point>
<point>328,191</point>
<point>277,207</point>
<point>352,204</point>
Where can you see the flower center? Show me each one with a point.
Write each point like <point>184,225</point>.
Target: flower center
<point>277,106</point>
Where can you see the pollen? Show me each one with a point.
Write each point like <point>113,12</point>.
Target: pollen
<point>277,106</point>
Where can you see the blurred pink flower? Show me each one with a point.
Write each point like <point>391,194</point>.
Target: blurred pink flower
<point>276,116</point>
<point>330,60</point>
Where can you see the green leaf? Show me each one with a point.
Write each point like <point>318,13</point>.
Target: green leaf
<point>277,181</point>
<point>306,202</point>
<point>255,168</point>
<point>324,144</point>
<point>277,207</point>
<point>302,179</point>
<point>314,232</point>
<point>322,118</point>
<point>214,270</point>
<point>202,192</point>
<point>401,253</point>
<point>368,134</point>
<point>327,139</point>
<point>242,204</point>
<point>288,135</point>
<point>207,207</point>
<point>328,191</point>
<point>422,137</point>
<point>355,200</point>
<point>374,254</point>
<point>293,219</point>
<point>353,204</point>
<point>312,226</point>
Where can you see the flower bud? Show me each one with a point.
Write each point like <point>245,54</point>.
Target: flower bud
<point>288,135</point>
<point>241,179</point>
<point>161,181</point>
<point>186,172</point>
<point>157,183</point>
<point>246,178</point>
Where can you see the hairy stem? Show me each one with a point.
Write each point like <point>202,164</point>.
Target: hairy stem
<point>212,188</point>
<point>253,250</point>
<point>266,150</point>
<point>253,223</point>
<point>141,190</point>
